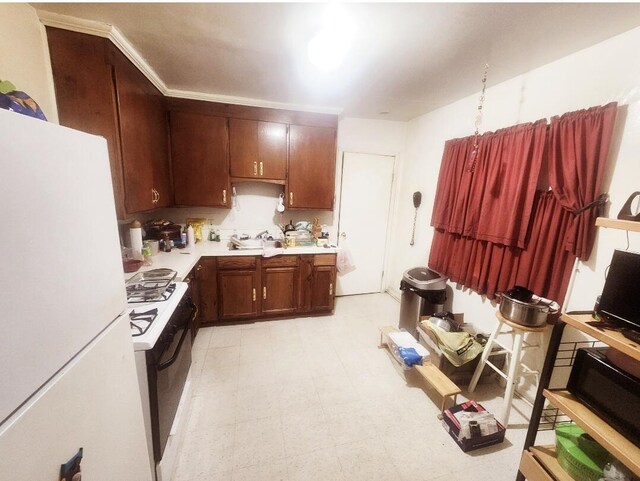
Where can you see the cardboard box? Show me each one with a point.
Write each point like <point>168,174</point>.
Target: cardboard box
<point>460,375</point>
<point>451,424</point>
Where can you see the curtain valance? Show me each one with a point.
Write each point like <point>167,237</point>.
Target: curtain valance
<point>493,200</point>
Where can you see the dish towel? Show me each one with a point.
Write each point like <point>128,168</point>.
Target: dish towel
<point>272,251</point>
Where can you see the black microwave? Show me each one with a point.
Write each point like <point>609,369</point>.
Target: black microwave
<point>607,390</point>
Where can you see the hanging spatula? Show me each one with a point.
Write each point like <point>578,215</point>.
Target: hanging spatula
<point>417,200</point>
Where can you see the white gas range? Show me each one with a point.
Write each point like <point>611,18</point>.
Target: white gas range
<point>161,330</point>
<point>149,318</point>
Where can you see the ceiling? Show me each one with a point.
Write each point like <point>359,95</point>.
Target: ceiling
<point>405,59</point>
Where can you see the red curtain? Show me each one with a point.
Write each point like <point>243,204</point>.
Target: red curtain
<point>452,174</point>
<point>504,184</point>
<point>493,200</point>
<point>482,266</point>
<point>578,147</point>
<point>494,231</point>
<point>544,266</point>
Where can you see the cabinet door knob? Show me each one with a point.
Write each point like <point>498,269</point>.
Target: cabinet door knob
<point>255,168</point>
<point>157,196</point>
<point>331,289</point>
<point>224,196</point>
<point>290,198</point>
<point>153,196</point>
<point>254,294</point>
<point>261,169</point>
<point>199,267</point>
<point>264,293</point>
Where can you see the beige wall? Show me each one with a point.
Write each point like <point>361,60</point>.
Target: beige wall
<point>24,56</point>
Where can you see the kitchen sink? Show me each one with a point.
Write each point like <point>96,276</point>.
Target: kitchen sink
<point>247,244</point>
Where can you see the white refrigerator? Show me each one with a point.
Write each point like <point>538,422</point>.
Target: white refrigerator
<point>67,372</point>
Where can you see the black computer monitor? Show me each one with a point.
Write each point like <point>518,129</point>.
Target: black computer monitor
<point>620,300</point>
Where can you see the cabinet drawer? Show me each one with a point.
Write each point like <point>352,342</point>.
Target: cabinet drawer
<point>324,260</point>
<point>280,261</point>
<point>239,262</point>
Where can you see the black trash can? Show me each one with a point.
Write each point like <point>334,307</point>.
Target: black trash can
<point>423,293</point>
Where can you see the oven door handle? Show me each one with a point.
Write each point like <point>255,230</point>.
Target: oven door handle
<point>169,362</point>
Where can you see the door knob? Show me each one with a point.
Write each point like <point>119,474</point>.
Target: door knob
<point>343,235</point>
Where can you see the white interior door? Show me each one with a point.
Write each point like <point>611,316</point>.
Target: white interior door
<point>364,214</point>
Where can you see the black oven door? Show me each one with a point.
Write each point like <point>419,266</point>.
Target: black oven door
<point>168,365</point>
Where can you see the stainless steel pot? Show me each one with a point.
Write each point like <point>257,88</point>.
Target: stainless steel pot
<point>444,324</point>
<point>534,313</point>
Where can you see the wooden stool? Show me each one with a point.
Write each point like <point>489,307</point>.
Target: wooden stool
<point>516,368</point>
<point>437,380</point>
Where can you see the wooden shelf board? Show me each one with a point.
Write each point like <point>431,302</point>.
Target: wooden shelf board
<point>618,224</point>
<point>546,455</point>
<point>614,442</point>
<point>612,338</point>
<point>532,469</point>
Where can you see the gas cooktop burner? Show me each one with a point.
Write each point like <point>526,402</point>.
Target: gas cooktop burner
<point>136,297</point>
<point>140,321</point>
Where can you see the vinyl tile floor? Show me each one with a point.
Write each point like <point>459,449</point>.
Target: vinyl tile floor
<point>314,399</point>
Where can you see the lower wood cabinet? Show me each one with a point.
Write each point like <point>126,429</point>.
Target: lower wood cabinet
<point>237,294</point>
<point>322,286</point>
<point>250,287</point>
<point>280,281</point>
<point>192,291</point>
<point>238,284</point>
<point>318,273</point>
<point>206,290</point>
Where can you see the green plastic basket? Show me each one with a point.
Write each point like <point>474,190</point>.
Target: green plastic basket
<point>579,454</point>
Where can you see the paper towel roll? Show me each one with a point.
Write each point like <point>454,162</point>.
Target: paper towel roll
<point>135,234</point>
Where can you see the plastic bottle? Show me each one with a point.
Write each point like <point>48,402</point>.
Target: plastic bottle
<point>135,236</point>
<point>191,236</point>
<point>166,243</point>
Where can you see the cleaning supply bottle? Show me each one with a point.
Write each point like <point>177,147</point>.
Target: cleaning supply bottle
<point>191,236</point>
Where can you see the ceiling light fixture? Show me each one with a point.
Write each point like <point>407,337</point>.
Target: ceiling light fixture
<point>328,48</point>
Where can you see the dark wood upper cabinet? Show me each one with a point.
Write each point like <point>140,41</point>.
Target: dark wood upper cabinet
<point>200,159</point>
<point>312,160</point>
<point>258,150</point>
<point>85,94</point>
<point>143,137</point>
<point>99,91</point>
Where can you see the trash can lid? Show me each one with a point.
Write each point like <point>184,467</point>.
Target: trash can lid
<point>425,278</point>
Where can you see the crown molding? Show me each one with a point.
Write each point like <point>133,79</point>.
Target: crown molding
<point>230,99</point>
<point>105,30</point>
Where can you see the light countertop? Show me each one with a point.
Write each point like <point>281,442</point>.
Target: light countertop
<point>183,260</point>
